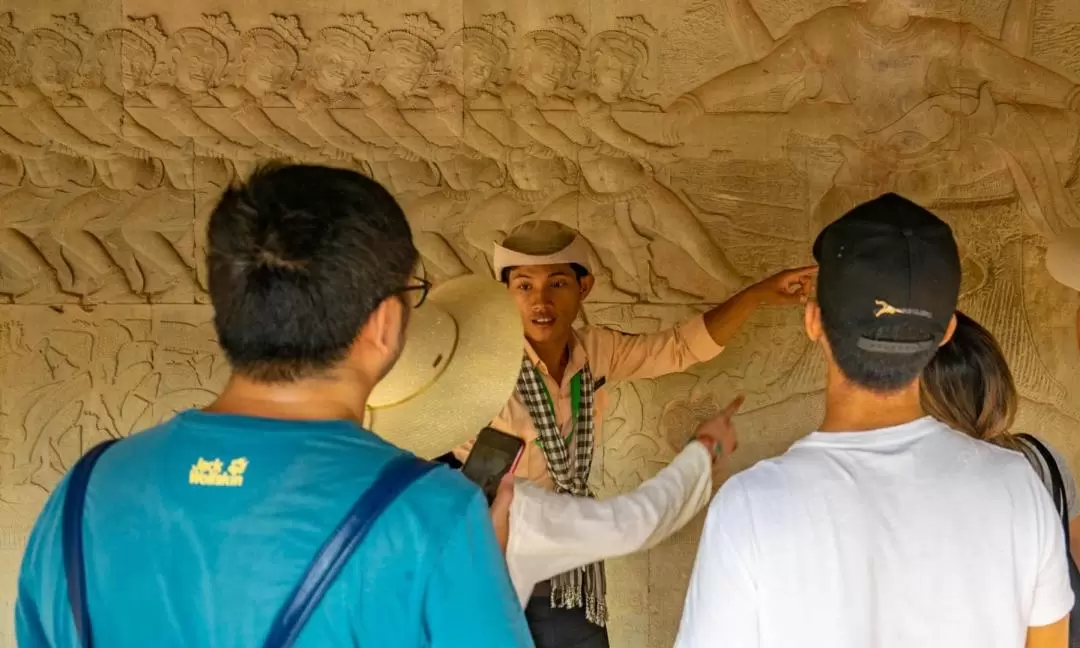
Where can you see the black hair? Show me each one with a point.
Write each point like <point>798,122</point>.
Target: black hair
<point>299,258</point>
<point>884,373</point>
<point>580,272</point>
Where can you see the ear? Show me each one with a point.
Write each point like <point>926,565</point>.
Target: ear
<point>587,282</point>
<point>812,321</point>
<point>382,331</point>
<point>949,332</point>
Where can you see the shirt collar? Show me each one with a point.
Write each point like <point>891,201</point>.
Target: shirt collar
<point>578,358</point>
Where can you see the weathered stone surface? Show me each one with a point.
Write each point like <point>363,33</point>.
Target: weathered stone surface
<point>696,146</point>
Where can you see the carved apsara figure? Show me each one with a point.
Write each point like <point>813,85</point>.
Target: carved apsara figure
<point>331,68</point>
<point>402,66</point>
<point>152,239</point>
<point>195,63</point>
<point>471,66</point>
<point>619,181</point>
<point>264,62</point>
<point>54,57</point>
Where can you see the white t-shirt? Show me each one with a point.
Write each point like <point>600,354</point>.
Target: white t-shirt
<point>904,537</point>
<point>553,533</point>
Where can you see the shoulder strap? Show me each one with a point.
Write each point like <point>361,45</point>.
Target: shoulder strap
<point>1056,481</point>
<point>397,476</point>
<point>72,540</point>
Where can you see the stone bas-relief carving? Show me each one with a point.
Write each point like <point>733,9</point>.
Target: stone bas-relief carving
<point>117,137</point>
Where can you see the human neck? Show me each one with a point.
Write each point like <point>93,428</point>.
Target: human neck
<point>339,395</point>
<point>555,354</point>
<point>849,408</point>
<point>887,14</point>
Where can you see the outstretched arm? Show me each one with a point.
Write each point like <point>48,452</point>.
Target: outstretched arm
<point>786,65</point>
<point>1013,78</point>
<point>553,533</point>
<point>617,356</point>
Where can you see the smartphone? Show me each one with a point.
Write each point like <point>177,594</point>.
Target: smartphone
<point>492,456</point>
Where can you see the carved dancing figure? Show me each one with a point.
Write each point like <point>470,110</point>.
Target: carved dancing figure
<point>147,239</point>
<point>471,66</point>
<point>402,59</point>
<point>263,63</point>
<point>54,57</point>
<point>402,65</point>
<point>194,63</point>
<point>828,64</point>
<point>618,179</point>
<point>331,66</point>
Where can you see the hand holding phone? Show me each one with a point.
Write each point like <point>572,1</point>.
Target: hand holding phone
<point>492,457</point>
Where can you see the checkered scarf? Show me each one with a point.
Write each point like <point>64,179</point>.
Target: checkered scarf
<point>584,586</point>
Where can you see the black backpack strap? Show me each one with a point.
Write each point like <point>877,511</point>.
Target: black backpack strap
<point>397,476</point>
<point>71,537</point>
<point>1057,483</point>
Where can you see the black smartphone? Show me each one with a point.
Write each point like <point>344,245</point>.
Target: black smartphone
<point>492,456</point>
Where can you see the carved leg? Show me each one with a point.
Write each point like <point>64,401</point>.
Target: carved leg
<point>21,266</point>
<point>138,240</point>
<point>672,220</point>
<point>80,264</point>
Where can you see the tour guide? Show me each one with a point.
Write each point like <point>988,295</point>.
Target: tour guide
<point>558,406</point>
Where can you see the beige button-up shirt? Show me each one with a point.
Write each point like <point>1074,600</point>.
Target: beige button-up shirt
<point>612,356</point>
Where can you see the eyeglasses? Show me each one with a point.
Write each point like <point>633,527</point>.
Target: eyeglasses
<point>421,286</point>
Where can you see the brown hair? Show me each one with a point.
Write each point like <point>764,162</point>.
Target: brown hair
<point>969,387</point>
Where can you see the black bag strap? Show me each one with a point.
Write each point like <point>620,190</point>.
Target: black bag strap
<point>71,536</point>
<point>392,481</point>
<point>398,475</point>
<point>1057,483</point>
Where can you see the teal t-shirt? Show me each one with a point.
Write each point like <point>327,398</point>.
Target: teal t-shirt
<point>197,530</point>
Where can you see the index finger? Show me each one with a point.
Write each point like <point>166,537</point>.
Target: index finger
<point>733,406</point>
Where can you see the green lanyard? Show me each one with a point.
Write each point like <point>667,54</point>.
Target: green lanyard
<point>575,403</point>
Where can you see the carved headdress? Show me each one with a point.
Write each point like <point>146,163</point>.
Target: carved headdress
<point>65,43</point>
<point>280,45</point>
<point>630,42</point>
<point>562,36</point>
<point>490,39</point>
<point>209,50</point>
<point>414,41</point>
<point>141,45</point>
<point>346,44</point>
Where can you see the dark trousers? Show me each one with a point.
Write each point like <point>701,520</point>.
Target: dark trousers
<point>559,628</point>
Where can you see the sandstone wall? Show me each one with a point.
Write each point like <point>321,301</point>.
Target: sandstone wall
<point>697,144</point>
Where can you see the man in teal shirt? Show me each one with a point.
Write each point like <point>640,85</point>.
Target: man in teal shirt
<point>196,531</point>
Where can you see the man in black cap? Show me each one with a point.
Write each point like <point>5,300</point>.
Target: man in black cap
<point>885,527</point>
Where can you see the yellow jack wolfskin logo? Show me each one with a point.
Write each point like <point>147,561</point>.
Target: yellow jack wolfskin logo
<point>209,473</point>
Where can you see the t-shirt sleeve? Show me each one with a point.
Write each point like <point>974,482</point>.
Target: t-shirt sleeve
<point>469,601</point>
<point>1053,597</point>
<point>721,603</point>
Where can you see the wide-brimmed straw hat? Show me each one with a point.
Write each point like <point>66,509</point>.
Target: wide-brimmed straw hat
<point>457,371</point>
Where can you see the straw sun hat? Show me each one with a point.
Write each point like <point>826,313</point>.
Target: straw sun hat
<point>458,369</point>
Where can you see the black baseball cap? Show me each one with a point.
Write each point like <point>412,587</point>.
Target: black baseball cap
<point>890,271</point>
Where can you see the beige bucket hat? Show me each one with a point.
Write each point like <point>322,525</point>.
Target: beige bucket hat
<point>540,242</point>
<point>457,371</point>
